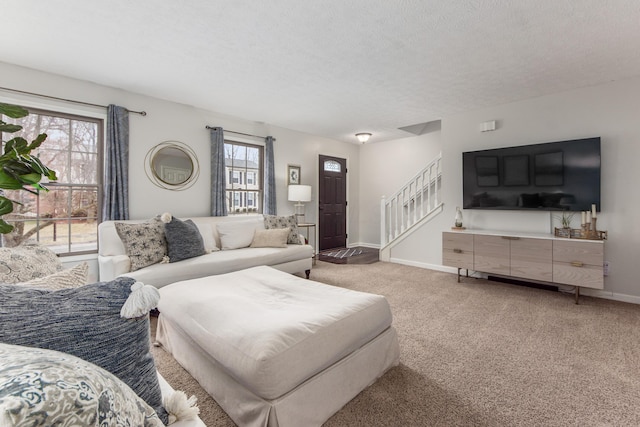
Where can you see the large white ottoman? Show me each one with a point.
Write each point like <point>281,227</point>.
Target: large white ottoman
<point>274,349</point>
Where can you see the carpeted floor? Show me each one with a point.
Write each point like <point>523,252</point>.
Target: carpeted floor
<point>482,353</point>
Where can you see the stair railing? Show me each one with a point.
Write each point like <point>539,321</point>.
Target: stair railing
<point>414,201</point>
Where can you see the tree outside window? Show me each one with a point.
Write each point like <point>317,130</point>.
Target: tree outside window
<point>65,219</point>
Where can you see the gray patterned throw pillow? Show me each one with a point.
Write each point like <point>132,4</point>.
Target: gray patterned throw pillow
<point>144,242</point>
<point>274,221</point>
<point>183,240</point>
<point>86,323</point>
<point>45,387</point>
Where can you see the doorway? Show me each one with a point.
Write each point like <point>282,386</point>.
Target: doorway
<point>332,203</point>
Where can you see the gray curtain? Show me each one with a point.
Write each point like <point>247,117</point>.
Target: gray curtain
<point>218,176</point>
<point>115,199</point>
<point>269,178</point>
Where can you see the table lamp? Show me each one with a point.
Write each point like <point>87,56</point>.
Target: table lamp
<point>299,194</point>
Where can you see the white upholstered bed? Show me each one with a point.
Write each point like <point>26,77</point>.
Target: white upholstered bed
<point>274,349</point>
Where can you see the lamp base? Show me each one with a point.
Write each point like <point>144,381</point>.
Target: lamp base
<point>299,212</point>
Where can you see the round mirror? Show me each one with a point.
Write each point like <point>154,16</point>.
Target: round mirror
<point>172,165</point>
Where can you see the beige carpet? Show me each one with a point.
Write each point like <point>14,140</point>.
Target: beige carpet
<point>481,353</point>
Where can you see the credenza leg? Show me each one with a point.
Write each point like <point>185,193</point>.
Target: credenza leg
<point>577,293</point>
<point>458,275</point>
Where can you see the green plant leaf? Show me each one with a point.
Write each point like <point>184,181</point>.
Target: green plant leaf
<point>13,111</point>
<point>30,178</point>
<point>8,182</point>
<point>6,205</point>
<point>8,127</point>
<point>37,142</point>
<point>5,228</point>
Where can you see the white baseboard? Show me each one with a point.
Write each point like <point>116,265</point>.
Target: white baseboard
<point>424,265</point>
<point>364,245</point>
<point>598,293</point>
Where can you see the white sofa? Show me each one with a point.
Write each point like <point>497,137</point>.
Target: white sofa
<point>113,260</point>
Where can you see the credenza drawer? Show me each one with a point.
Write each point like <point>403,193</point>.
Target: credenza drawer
<point>587,276</point>
<point>531,259</point>
<point>578,263</point>
<point>457,250</point>
<point>491,254</point>
<point>591,253</point>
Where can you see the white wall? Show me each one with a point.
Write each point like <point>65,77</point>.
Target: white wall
<point>611,111</point>
<point>171,121</point>
<point>384,168</point>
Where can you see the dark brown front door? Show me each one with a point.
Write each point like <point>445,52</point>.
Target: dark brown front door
<point>332,203</point>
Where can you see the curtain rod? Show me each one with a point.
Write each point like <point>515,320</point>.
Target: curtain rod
<point>142,113</point>
<point>238,133</point>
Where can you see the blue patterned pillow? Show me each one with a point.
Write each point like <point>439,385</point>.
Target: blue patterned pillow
<point>86,323</point>
<point>45,387</point>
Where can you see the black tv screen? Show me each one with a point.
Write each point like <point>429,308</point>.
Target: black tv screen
<point>561,175</point>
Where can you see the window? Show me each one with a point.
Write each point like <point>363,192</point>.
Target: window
<point>332,166</point>
<point>65,219</point>
<point>244,165</point>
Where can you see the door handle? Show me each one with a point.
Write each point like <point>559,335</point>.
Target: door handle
<point>457,251</point>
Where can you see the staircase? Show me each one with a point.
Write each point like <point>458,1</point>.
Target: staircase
<point>414,204</point>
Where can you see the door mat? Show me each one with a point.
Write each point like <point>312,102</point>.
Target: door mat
<point>341,253</point>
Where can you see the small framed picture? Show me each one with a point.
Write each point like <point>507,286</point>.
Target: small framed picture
<point>293,174</point>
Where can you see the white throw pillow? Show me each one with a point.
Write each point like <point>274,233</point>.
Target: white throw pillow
<point>69,278</point>
<point>238,234</point>
<point>275,238</point>
<point>206,231</point>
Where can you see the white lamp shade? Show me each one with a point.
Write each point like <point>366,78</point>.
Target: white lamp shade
<point>299,193</point>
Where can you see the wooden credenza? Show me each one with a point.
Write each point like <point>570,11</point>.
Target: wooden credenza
<point>539,257</point>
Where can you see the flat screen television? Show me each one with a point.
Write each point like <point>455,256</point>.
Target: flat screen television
<point>553,176</point>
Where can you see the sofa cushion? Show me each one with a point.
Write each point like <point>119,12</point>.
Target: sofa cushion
<point>85,322</point>
<point>69,278</point>
<point>39,387</point>
<point>160,275</point>
<point>183,240</point>
<point>237,234</point>
<point>27,262</point>
<point>208,237</point>
<point>144,242</point>
<point>290,222</point>
<point>275,238</point>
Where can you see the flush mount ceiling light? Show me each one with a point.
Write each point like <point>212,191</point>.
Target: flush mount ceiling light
<point>363,137</point>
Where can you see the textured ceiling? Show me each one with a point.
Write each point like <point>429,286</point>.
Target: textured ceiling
<point>332,67</point>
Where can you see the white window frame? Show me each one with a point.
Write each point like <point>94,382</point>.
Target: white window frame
<point>242,207</point>
<point>55,108</point>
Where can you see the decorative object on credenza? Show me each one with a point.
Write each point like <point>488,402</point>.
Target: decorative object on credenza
<point>299,194</point>
<point>565,221</point>
<point>588,228</point>
<point>293,174</point>
<point>172,165</point>
<point>457,223</point>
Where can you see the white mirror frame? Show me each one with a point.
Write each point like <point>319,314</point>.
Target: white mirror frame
<point>153,176</point>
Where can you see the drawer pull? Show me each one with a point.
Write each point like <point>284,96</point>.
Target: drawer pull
<point>510,237</point>
<point>457,251</point>
<point>577,263</point>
